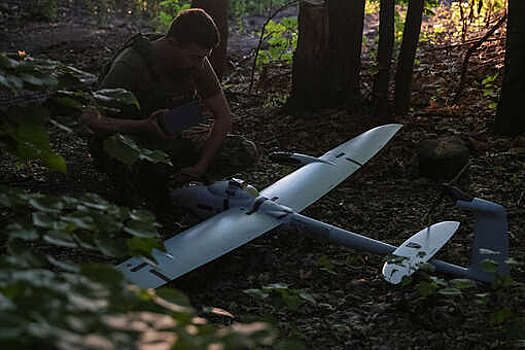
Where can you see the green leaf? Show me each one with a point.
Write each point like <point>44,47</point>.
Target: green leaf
<point>94,201</point>
<point>80,221</point>
<point>489,265</point>
<point>43,220</point>
<point>6,305</point>
<point>142,215</point>
<point>143,245</point>
<point>60,239</point>
<point>8,63</point>
<point>47,204</point>
<point>501,316</point>
<point>31,79</point>
<point>116,148</point>
<point>140,229</point>
<point>15,82</point>
<point>484,251</point>
<point>18,231</point>
<point>55,162</point>
<point>462,283</point>
<point>121,96</point>
<point>4,82</point>
<point>64,265</point>
<point>103,273</point>
<point>128,152</point>
<point>112,247</point>
<point>308,297</point>
<point>69,102</point>
<point>257,293</point>
<point>174,296</point>
<point>449,291</point>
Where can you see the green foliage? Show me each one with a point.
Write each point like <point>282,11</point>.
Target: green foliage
<point>168,11</point>
<point>280,295</point>
<point>127,151</point>
<point>281,38</point>
<point>49,301</point>
<point>253,7</point>
<point>490,89</point>
<point>325,264</point>
<point>473,16</point>
<point>23,127</point>
<point>29,82</point>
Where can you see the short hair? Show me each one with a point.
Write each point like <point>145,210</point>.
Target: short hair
<point>194,26</point>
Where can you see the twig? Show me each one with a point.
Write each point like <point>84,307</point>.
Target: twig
<point>427,217</point>
<point>469,53</point>
<point>468,42</point>
<point>261,37</point>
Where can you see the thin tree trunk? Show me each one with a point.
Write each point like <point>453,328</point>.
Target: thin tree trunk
<point>218,10</point>
<point>405,64</point>
<point>510,119</point>
<point>384,60</point>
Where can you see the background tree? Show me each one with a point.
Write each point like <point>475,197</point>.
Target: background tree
<point>405,62</point>
<point>218,10</point>
<point>309,77</point>
<point>327,60</point>
<point>384,59</point>
<point>346,19</point>
<point>510,119</point>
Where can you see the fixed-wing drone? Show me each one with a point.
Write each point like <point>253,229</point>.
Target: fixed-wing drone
<point>237,213</point>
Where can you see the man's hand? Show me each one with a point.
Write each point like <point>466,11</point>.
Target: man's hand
<point>93,119</point>
<point>152,128</point>
<point>193,173</point>
<point>148,128</point>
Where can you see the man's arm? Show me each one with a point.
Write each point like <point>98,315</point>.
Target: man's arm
<point>222,125</point>
<point>105,126</point>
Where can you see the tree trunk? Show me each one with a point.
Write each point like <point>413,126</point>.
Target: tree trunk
<point>218,10</point>
<point>384,60</point>
<point>327,60</point>
<point>309,73</point>
<point>405,64</point>
<point>510,119</point>
<point>346,19</point>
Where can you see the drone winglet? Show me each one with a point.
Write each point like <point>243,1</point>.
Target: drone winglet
<point>417,250</point>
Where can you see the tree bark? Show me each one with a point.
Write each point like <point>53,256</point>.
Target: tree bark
<point>405,64</point>
<point>309,74</point>
<point>384,60</point>
<point>510,119</point>
<point>218,10</point>
<point>346,19</point>
<point>327,60</point>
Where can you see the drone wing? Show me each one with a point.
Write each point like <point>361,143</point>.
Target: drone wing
<point>197,246</point>
<point>312,181</point>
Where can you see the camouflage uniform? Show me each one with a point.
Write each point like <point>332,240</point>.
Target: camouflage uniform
<point>131,70</point>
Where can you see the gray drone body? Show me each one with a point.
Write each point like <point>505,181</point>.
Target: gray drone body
<point>237,213</point>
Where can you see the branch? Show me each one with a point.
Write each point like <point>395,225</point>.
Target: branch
<point>469,53</point>
<point>261,37</point>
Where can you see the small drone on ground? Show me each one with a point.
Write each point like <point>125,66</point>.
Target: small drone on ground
<point>237,213</point>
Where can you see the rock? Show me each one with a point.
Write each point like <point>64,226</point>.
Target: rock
<point>442,158</point>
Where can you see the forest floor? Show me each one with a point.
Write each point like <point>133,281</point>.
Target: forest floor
<point>387,200</point>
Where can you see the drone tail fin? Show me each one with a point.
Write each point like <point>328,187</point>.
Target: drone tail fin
<point>491,239</point>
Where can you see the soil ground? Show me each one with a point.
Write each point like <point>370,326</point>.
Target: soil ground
<point>386,200</point>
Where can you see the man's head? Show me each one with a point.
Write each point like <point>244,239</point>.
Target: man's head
<point>195,34</point>
<point>194,26</point>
